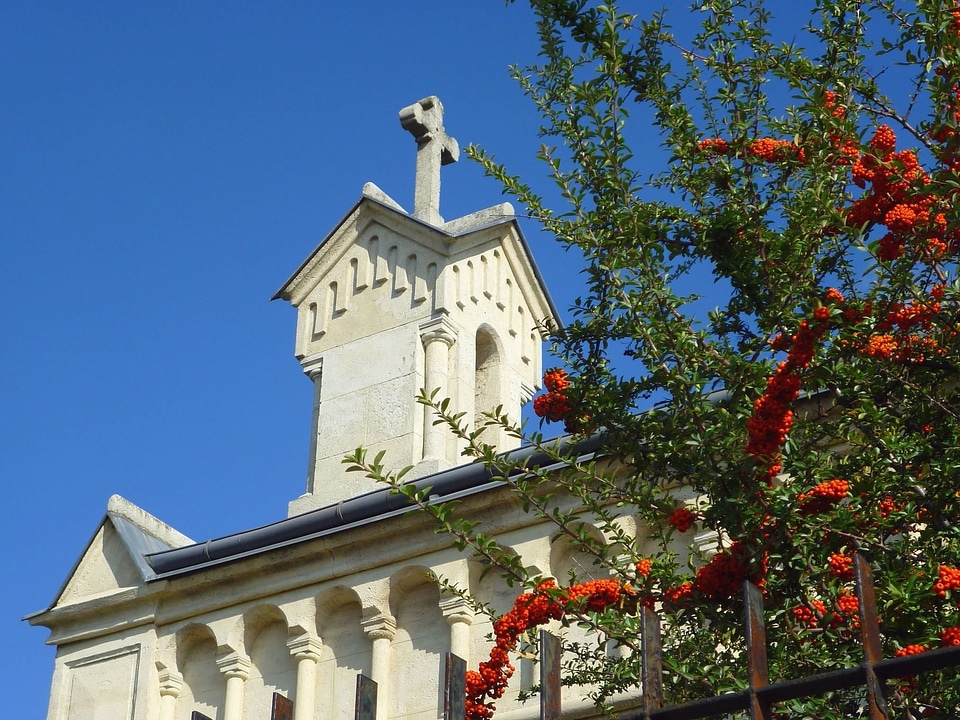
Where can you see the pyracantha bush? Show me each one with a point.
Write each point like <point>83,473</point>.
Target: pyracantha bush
<point>807,189</point>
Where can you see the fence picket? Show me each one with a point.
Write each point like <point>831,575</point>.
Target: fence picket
<point>366,702</point>
<point>551,652</point>
<point>454,688</point>
<point>870,633</point>
<point>651,661</point>
<point>756,650</point>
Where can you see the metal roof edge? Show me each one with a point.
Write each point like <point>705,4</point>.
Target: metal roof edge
<point>354,512</point>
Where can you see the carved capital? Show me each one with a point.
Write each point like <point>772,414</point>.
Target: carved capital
<point>313,367</point>
<point>438,330</point>
<point>170,683</point>
<point>379,627</point>
<point>234,665</point>
<point>456,610</point>
<point>305,647</point>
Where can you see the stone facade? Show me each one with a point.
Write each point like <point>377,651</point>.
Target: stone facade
<point>150,626</point>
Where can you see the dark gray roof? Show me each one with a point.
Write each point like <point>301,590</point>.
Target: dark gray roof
<point>364,509</point>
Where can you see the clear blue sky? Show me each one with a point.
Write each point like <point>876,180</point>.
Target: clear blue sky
<point>165,167</point>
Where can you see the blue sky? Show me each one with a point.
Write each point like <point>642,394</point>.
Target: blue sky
<point>166,166</point>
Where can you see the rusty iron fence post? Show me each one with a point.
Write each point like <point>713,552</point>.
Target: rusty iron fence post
<point>454,688</point>
<point>366,702</point>
<point>551,653</point>
<point>756,650</point>
<point>651,661</point>
<point>870,634</point>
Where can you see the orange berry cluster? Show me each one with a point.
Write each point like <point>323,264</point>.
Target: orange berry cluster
<point>766,149</point>
<point>644,567</point>
<point>948,581</point>
<point>896,337</point>
<point>951,636</point>
<point>682,519</point>
<point>716,146</point>
<point>547,602</point>
<point>823,497</point>
<point>899,198</point>
<point>555,405</point>
<point>723,576</point>
<point>847,612</point>
<point>678,595</point>
<point>841,566</point>
<point>552,406</point>
<point>767,428</point>
<point>771,150</point>
<point>908,650</point>
<point>807,616</point>
<point>848,608</point>
<point>556,380</point>
<point>887,506</point>
<point>908,316</point>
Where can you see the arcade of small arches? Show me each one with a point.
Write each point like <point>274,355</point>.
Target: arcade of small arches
<point>311,648</point>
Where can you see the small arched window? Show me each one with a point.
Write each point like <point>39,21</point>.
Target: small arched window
<point>489,386</point>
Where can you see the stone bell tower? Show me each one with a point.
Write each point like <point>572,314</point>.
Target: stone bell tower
<point>391,302</point>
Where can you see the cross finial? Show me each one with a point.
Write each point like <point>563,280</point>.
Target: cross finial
<point>434,148</point>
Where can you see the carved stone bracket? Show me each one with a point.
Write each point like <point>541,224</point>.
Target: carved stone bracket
<point>380,627</point>
<point>438,329</point>
<point>456,610</point>
<point>313,367</point>
<point>171,682</point>
<point>234,665</point>
<point>304,647</point>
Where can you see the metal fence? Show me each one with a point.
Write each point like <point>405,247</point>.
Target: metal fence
<point>761,695</point>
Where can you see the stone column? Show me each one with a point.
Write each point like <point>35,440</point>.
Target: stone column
<point>236,668</point>
<point>381,630</point>
<point>306,651</point>
<point>170,684</point>
<point>459,617</point>
<point>313,369</point>
<point>437,337</point>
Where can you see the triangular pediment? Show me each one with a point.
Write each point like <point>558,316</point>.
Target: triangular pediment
<point>381,267</point>
<point>367,216</point>
<point>113,559</point>
<point>376,208</point>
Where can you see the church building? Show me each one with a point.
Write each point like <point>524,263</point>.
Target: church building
<point>150,625</point>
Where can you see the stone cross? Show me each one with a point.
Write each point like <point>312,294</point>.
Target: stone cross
<point>434,148</point>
